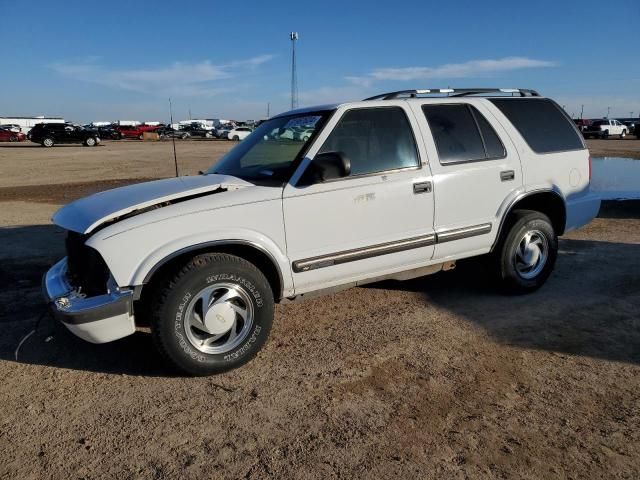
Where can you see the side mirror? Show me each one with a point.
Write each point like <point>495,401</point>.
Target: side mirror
<point>331,165</point>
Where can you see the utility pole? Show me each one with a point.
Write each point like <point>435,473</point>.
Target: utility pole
<point>268,110</point>
<point>582,112</point>
<point>608,111</point>
<point>293,36</point>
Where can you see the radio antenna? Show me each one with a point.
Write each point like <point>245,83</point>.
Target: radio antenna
<point>173,137</point>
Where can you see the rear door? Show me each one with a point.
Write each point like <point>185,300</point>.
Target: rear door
<point>476,169</point>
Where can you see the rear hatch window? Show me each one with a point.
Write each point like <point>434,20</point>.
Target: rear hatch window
<point>542,123</point>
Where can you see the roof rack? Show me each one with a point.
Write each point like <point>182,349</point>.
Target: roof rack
<point>453,92</point>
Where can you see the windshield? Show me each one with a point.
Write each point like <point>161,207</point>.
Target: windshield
<point>270,152</point>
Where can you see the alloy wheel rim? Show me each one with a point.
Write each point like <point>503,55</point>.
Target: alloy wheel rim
<point>531,254</point>
<point>219,318</point>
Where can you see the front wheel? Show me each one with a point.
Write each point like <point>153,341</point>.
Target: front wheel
<point>90,142</point>
<point>527,252</point>
<point>141,136</point>
<point>623,134</point>
<point>213,315</point>
<point>13,138</point>
<point>236,138</point>
<point>605,135</point>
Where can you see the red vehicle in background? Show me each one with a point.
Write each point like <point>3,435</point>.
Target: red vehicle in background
<point>9,136</point>
<point>137,131</point>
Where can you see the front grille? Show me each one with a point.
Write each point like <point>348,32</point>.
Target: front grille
<point>87,270</point>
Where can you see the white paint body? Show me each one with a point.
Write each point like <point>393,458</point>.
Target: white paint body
<point>291,223</point>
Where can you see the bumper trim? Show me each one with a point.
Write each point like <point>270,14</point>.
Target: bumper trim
<point>97,319</point>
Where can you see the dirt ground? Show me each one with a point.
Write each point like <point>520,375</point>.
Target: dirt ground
<point>439,377</point>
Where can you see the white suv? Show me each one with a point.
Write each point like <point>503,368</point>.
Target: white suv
<point>396,186</point>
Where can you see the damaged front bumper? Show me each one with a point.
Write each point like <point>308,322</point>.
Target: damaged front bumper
<point>97,319</point>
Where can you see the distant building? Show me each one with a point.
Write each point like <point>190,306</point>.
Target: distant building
<point>26,123</point>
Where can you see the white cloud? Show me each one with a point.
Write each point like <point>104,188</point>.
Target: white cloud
<point>473,68</point>
<point>178,79</point>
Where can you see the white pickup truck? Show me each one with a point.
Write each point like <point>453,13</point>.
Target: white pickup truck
<point>396,186</point>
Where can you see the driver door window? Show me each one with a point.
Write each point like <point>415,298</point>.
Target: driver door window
<point>374,140</point>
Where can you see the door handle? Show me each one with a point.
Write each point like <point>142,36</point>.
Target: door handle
<point>422,187</point>
<point>507,175</point>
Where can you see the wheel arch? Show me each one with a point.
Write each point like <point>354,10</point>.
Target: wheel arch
<point>252,252</point>
<point>549,202</point>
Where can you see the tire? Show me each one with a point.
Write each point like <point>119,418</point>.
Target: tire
<point>605,135</point>
<point>141,136</point>
<point>176,311</point>
<point>623,134</point>
<point>236,138</point>
<point>48,142</point>
<point>523,269</point>
<point>184,137</point>
<point>13,138</point>
<point>90,142</point>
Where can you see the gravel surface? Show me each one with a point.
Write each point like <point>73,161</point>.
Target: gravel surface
<point>438,377</point>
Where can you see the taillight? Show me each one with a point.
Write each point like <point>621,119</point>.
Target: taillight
<point>590,168</point>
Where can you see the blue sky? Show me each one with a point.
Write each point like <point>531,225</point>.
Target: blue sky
<point>119,60</point>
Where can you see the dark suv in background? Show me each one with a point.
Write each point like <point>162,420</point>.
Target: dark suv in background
<point>50,134</point>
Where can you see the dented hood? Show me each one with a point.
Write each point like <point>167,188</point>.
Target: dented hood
<point>87,213</point>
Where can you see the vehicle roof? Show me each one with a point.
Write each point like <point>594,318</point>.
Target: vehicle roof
<point>441,95</point>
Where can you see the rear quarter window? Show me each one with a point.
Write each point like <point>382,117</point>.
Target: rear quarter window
<point>542,124</point>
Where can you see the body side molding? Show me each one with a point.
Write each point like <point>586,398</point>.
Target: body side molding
<point>329,260</point>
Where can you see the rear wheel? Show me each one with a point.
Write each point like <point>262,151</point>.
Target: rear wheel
<point>623,134</point>
<point>605,135</point>
<point>527,251</point>
<point>236,138</point>
<point>141,136</point>
<point>48,142</point>
<point>213,315</point>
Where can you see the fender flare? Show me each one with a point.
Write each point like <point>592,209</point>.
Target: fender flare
<point>217,243</point>
<point>517,199</point>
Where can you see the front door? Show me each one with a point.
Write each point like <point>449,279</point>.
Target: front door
<point>375,221</point>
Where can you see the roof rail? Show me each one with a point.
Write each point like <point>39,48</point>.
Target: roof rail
<point>453,92</point>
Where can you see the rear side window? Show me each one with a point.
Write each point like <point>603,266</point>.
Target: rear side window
<point>541,123</point>
<point>462,134</point>
<point>374,140</point>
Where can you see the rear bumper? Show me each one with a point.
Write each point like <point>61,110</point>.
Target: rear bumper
<point>98,319</point>
<point>581,210</point>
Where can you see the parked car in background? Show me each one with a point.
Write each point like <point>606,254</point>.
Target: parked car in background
<point>168,132</point>
<point>104,132</point>
<point>7,135</point>
<point>605,128</point>
<point>239,133</point>
<point>196,130</point>
<point>135,131</point>
<point>12,127</point>
<point>50,134</point>
<point>582,123</point>
<point>223,130</point>
<point>631,126</point>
